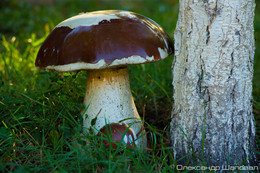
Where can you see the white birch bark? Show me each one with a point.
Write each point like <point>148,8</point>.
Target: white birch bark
<point>212,80</point>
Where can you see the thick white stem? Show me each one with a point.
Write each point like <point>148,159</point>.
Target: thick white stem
<point>108,97</point>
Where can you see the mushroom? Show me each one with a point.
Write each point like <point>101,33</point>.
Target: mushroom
<point>104,43</point>
<point>115,132</point>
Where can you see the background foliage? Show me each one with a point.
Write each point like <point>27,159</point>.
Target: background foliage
<point>39,110</point>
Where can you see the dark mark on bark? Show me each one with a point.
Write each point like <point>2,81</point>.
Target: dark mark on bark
<point>208,34</point>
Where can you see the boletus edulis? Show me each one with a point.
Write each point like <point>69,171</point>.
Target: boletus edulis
<point>104,43</point>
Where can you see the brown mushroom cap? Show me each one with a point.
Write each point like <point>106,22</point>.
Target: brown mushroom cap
<point>103,39</point>
<point>117,131</point>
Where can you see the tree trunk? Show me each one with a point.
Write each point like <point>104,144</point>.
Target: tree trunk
<point>212,120</point>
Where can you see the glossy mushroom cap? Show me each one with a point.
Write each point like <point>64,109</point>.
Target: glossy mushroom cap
<point>103,39</point>
<point>115,132</point>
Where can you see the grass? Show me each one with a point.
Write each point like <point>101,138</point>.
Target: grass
<point>39,110</point>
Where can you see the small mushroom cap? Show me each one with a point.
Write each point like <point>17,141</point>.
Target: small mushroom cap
<point>103,39</point>
<point>117,131</point>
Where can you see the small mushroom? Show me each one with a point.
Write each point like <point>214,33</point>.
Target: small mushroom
<point>116,132</point>
<point>104,43</point>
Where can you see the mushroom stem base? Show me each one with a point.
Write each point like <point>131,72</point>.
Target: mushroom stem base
<point>108,100</point>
